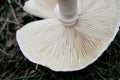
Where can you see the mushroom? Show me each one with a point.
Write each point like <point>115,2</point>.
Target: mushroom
<point>74,38</point>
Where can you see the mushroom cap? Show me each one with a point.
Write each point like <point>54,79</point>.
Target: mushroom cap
<point>45,8</point>
<point>61,48</point>
<point>41,8</point>
<point>119,12</point>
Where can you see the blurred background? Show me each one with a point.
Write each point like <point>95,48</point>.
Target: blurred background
<point>14,66</point>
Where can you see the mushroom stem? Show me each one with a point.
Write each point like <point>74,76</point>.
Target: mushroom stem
<point>67,11</point>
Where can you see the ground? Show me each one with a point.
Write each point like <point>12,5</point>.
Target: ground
<point>14,66</point>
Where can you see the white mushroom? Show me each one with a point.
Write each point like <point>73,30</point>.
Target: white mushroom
<point>54,44</point>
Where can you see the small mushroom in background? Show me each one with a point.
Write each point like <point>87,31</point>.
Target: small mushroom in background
<point>41,8</point>
<point>73,39</point>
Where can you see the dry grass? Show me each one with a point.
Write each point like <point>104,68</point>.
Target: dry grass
<point>14,66</point>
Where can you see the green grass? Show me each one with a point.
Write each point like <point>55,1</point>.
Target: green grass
<point>14,66</point>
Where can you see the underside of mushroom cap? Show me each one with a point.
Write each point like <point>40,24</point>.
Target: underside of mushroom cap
<point>61,48</point>
<point>40,8</point>
<point>119,9</point>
